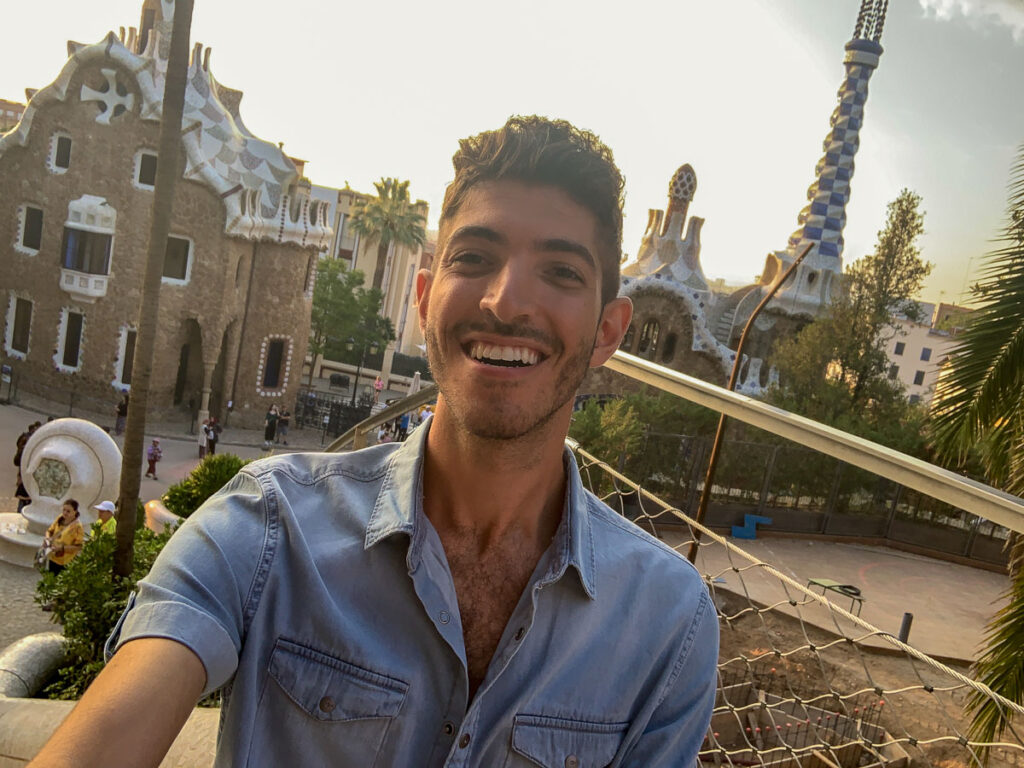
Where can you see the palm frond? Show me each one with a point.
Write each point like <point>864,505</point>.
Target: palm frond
<point>979,390</point>
<point>999,666</point>
<point>979,405</point>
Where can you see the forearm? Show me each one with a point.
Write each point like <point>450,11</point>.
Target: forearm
<point>151,685</point>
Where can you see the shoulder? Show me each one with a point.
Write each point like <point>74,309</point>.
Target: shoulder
<point>324,497</point>
<point>631,557</point>
<point>308,469</point>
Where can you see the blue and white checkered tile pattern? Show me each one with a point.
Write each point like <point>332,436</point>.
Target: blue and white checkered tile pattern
<point>823,218</point>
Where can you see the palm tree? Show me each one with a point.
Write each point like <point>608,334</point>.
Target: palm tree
<point>388,218</point>
<point>142,368</point>
<point>979,411</point>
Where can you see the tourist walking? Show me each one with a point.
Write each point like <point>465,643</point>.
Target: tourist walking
<point>378,387</point>
<point>22,440</point>
<point>21,494</point>
<point>270,427</point>
<point>203,438</point>
<point>121,412</point>
<point>153,455</point>
<point>403,428</point>
<point>213,430</point>
<point>64,537</point>
<point>283,422</point>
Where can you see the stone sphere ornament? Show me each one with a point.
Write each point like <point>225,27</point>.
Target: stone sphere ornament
<point>68,459</point>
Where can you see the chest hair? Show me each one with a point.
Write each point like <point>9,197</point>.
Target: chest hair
<point>488,587</point>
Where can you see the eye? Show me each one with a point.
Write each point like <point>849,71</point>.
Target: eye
<point>567,273</point>
<point>465,259</point>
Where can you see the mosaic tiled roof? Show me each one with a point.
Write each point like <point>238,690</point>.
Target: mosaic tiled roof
<point>259,184</point>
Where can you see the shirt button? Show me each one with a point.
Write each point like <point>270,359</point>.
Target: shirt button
<point>326,704</point>
<point>445,617</point>
<point>464,741</point>
<point>572,762</point>
<point>519,633</point>
<point>448,728</point>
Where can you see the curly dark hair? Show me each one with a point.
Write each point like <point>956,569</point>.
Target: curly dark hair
<point>537,150</point>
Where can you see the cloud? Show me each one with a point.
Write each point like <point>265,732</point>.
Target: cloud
<point>1007,12</point>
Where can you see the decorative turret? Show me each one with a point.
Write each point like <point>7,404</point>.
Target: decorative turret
<point>664,251</point>
<point>823,218</point>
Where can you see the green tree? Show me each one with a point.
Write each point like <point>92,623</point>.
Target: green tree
<point>388,218</point>
<point>834,370</point>
<point>208,477</point>
<point>88,603</point>
<point>345,311</point>
<point>978,412</point>
<point>337,296</point>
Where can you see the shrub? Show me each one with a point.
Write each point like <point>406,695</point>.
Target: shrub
<point>206,479</point>
<point>88,601</point>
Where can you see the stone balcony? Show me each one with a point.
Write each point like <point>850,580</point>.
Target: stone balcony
<point>83,286</point>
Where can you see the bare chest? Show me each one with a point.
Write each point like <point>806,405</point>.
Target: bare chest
<point>488,591</point>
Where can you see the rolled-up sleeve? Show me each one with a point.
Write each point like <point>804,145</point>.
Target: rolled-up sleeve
<point>204,585</point>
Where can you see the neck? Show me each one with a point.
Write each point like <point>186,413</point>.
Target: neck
<point>488,488</point>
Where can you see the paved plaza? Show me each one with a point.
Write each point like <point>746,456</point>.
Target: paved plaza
<point>951,603</point>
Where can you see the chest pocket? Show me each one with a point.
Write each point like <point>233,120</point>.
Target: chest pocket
<point>554,742</point>
<point>325,709</point>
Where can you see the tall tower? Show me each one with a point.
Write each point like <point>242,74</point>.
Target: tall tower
<point>822,220</point>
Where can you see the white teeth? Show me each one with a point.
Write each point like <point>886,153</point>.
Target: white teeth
<point>480,351</point>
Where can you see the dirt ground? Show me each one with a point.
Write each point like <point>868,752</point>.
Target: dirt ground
<point>793,659</point>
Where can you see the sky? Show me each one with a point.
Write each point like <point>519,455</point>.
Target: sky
<point>741,90</point>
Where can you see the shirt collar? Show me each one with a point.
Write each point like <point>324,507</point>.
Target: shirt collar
<point>399,509</point>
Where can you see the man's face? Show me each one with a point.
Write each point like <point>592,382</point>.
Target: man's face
<point>512,311</point>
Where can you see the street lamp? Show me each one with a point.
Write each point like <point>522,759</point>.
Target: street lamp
<point>350,345</point>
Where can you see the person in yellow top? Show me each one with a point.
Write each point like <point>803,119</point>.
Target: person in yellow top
<point>106,522</point>
<point>64,537</point>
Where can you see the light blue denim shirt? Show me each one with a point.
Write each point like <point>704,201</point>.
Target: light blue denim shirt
<point>317,594</point>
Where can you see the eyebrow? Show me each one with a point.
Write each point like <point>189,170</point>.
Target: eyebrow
<point>559,245</point>
<point>552,245</point>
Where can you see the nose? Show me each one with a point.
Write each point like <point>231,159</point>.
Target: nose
<point>510,295</point>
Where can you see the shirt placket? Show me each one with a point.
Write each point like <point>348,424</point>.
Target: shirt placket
<point>522,619</point>
<point>434,586</point>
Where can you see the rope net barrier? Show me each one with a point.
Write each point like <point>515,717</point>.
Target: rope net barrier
<point>802,681</point>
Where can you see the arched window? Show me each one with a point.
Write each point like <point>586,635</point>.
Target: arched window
<point>670,348</point>
<point>649,340</point>
<point>627,340</point>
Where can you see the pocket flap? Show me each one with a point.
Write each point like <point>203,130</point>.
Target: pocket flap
<point>328,688</point>
<point>553,742</point>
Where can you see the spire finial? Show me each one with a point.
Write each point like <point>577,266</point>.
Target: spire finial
<point>870,20</point>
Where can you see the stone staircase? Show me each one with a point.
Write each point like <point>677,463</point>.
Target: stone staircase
<point>723,328</point>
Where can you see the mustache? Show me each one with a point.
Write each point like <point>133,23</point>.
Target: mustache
<point>495,327</point>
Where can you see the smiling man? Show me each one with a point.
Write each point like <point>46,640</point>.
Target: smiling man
<point>460,599</point>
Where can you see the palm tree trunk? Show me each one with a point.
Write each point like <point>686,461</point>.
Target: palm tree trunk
<point>382,259</point>
<point>142,368</point>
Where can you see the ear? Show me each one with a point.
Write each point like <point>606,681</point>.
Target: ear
<point>424,279</point>
<point>615,318</point>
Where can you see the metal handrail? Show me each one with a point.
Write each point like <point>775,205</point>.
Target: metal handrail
<point>356,436</point>
<point>977,498</point>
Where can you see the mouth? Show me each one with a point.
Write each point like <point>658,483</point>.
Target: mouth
<point>502,356</point>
